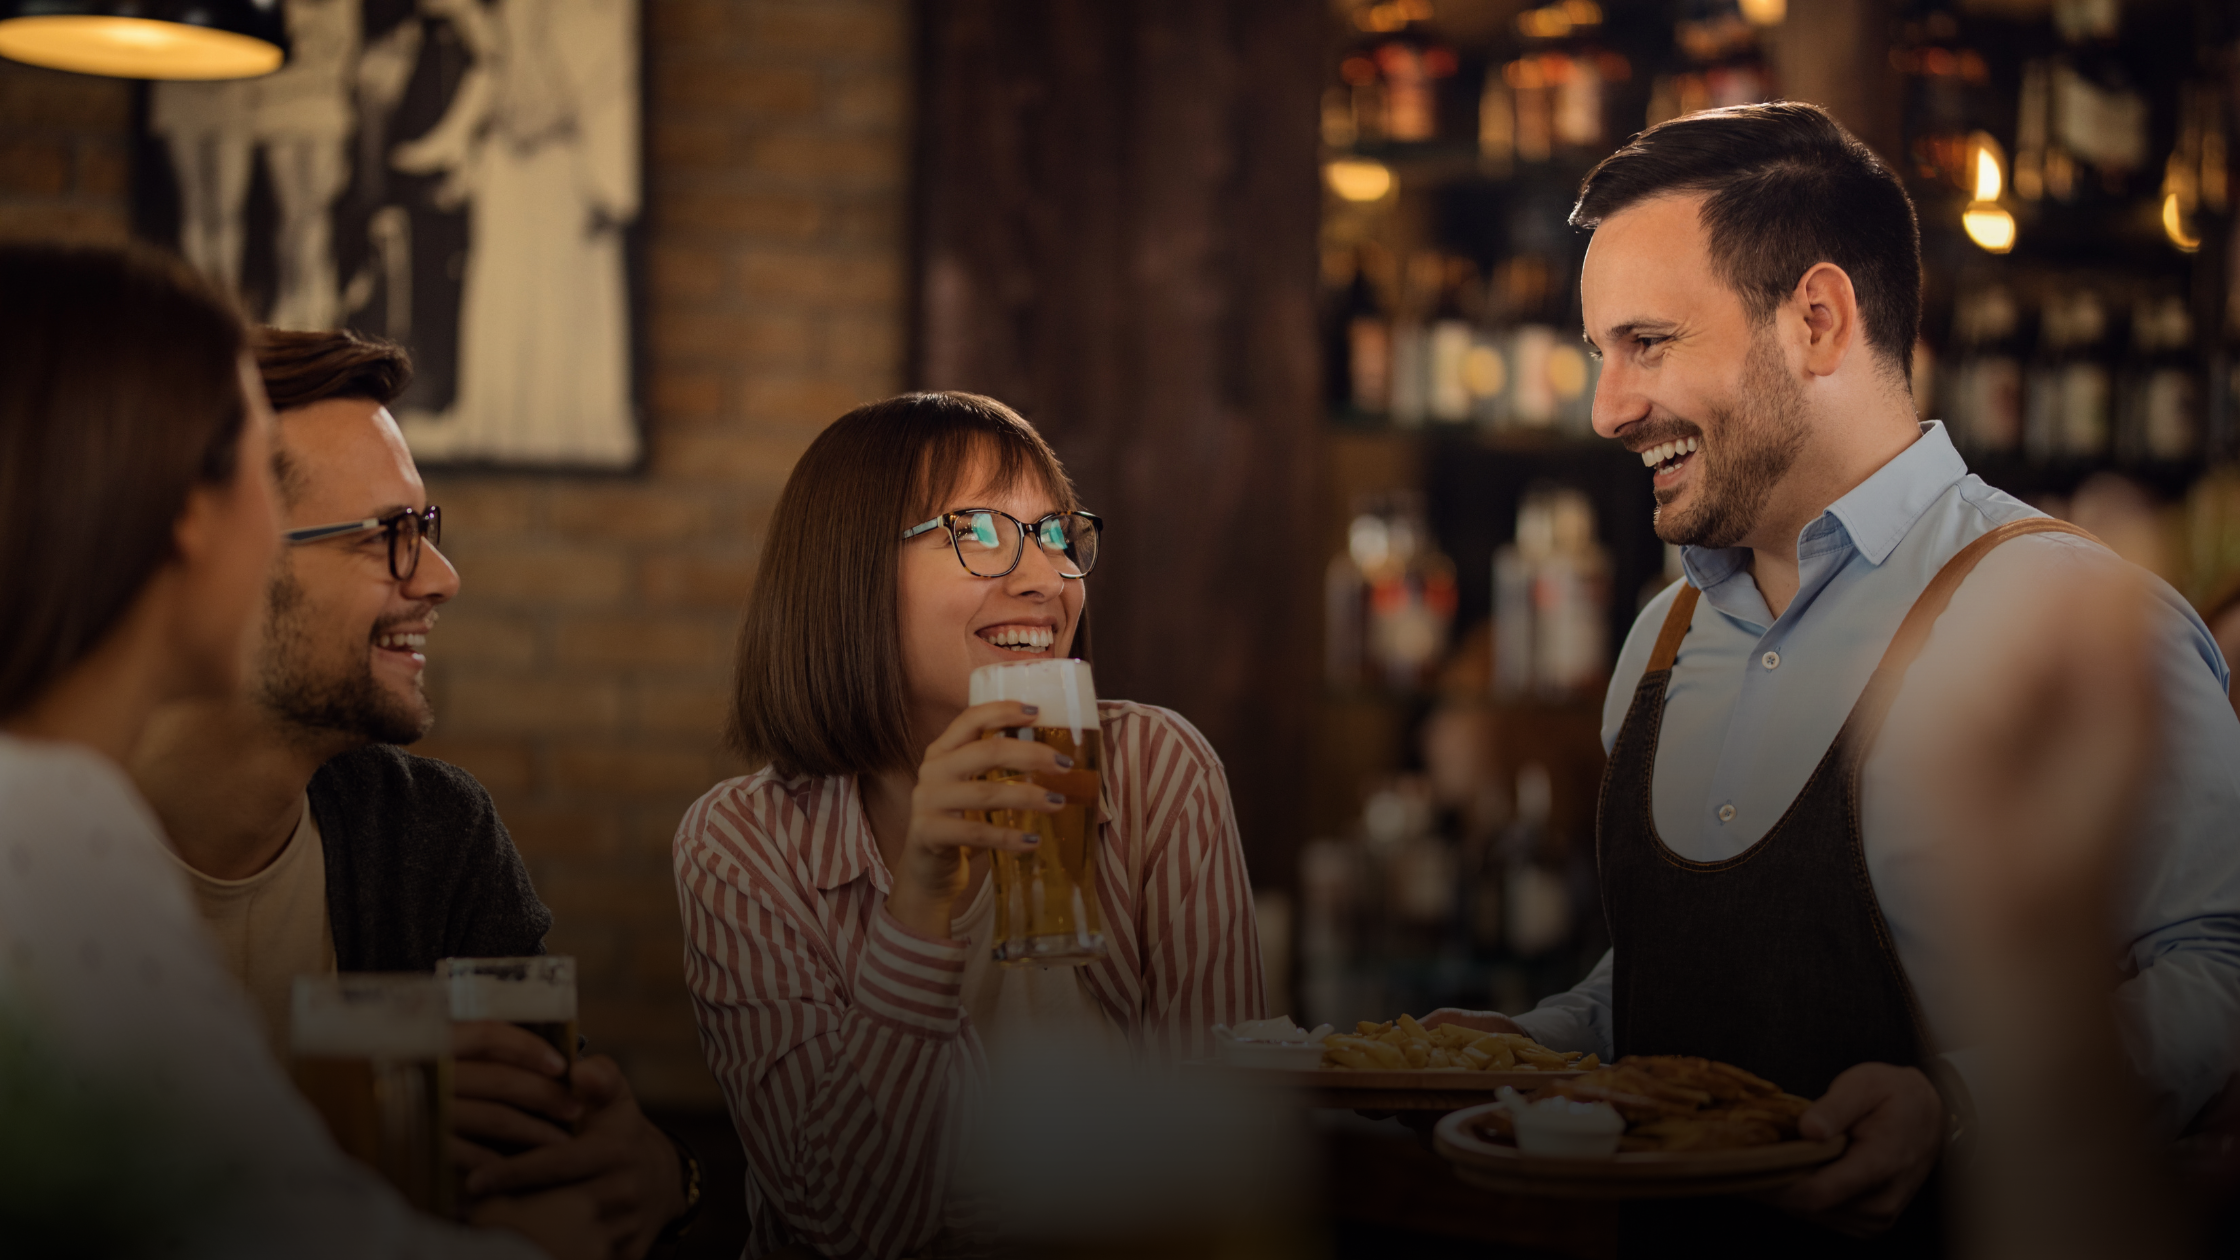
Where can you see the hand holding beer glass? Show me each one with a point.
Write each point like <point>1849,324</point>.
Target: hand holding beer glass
<point>1046,897</point>
<point>516,1044</point>
<point>372,1053</point>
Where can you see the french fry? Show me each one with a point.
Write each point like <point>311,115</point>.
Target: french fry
<point>1346,1057</point>
<point>1404,1043</point>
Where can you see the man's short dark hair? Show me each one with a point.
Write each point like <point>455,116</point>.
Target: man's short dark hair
<point>302,368</point>
<point>1787,188</point>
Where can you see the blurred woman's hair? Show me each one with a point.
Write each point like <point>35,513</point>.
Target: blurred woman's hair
<point>302,368</point>
<point>821,688</point>
<point>120,391</point>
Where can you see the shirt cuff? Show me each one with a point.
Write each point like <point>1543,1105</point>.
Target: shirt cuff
<point>1555,1028</point>
<point>910,980</point>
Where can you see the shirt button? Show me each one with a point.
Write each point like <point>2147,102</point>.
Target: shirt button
<point>1726,813</point>
<point>1772,660</point>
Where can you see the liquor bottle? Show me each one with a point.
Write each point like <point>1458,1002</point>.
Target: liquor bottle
<point>1537,914</point>
<point>2160,419</point>
<point>1360,351</point>
<point>1412,599</point>
<point>1947,85</point>
<point>1983,389</point>
<point>2087,380</point>
<point>1570,601</point>
<point>1448,353</point>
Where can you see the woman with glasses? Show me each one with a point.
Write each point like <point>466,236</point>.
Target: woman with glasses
<point>836,901</point>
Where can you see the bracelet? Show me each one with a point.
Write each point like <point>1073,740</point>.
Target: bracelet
<point>688,1173</point>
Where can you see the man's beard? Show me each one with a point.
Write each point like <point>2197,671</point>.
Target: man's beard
<point>321,700</point>
<point>1754,443</point>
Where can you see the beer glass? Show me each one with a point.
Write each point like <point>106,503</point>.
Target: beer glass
<point>537,994</point>
<point>372,1053</point>
<point>1046,900</point>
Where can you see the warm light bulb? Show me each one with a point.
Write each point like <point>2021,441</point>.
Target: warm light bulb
<point>1988,179</point>
<point>2174,225</point>
<point>135,48</point>
<point>1357,179</point>
<point>1989,226</point>
<point>1765,12</point>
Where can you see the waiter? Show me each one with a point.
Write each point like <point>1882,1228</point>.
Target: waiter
<point>1753,289</point>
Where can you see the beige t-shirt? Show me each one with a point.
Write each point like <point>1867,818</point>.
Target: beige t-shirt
<point>272,927</point>
<point>1014,1005</point>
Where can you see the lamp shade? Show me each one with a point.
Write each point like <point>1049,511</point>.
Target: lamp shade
<point>147,39</point>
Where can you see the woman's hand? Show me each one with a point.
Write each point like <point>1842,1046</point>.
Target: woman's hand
<point>931,870</point>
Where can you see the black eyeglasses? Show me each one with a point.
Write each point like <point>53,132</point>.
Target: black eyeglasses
<point>404,530</point>
<point>986,549</point>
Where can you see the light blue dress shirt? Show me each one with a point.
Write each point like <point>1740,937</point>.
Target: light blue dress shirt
<point>1755,701</point>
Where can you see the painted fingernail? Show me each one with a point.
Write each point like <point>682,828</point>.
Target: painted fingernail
<point>1065,762</point>
<point>1055,799</point>
<point>1030,709</point>
<point>1028,837</point>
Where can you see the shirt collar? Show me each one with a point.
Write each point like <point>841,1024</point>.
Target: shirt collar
<point>1876,515</point>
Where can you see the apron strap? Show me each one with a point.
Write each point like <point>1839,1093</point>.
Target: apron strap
<point>1675,629</point>
<point>1913,632</point>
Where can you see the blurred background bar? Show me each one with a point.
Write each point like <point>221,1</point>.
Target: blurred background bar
<point>1288,284</point>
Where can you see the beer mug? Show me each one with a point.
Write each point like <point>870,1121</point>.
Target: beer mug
<point>1046,900</point>
<point>372,1054</point>
<point>537,994</point>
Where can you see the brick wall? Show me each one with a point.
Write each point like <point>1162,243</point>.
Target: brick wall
<point>63,155</point>
<point>581,674</point>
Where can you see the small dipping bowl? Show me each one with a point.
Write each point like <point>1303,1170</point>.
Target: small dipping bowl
<point>1563,1128</point>
<point>1253,1053</point>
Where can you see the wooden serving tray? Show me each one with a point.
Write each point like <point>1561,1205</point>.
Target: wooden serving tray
<point>1628,1175</point>
<point>1418,1089</point>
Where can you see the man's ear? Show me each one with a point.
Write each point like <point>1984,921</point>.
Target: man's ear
<point>1830,309</point>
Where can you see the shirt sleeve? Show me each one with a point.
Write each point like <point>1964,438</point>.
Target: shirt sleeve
<point>102,952</point>
<point>1577,1018</point>
<point>845,1089</point>
<point>1199,935</point>
<point>2177,912</point>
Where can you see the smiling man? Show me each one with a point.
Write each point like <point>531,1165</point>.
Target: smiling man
<point>313,842</point>
<point>1770,872</point>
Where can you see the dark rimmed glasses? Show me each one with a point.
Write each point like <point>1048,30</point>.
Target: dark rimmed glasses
<point>986,549</point>
<point>404,530</point>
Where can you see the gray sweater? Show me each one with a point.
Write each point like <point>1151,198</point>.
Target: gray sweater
<point>418,866</point>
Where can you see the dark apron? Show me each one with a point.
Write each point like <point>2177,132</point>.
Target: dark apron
<point>1776,960</point>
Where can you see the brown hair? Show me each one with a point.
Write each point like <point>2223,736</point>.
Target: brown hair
<point>301,368</point>
<point>1789,188</point>
<point>820,688</point>
<point>120,391</point>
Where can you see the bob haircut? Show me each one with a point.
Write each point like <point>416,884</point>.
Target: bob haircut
<point>120,391</point>
<point>820,688</point>
<point>1785,188</point>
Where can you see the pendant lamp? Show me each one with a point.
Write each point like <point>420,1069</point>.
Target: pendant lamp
<point>147,39</point>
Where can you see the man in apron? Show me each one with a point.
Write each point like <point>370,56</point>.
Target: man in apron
<point>1770,881</point>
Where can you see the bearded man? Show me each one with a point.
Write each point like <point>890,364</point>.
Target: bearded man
<point>1770,869</point>
<point>314,843</point>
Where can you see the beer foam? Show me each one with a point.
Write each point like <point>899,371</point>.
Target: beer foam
<point>1062,689</point>
<point>370,1016</point>
<point>475,996</point>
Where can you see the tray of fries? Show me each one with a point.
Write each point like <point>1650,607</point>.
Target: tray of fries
<point>1693,1128</point>
<point>1399,1065</point>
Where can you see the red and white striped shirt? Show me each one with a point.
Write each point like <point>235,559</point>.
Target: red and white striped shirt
<point>840,1036</point>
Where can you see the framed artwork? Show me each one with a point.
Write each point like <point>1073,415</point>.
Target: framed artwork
<point>461,176</point>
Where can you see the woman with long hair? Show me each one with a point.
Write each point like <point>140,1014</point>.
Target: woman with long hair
<point>137,505</point>
<point>837,901</point>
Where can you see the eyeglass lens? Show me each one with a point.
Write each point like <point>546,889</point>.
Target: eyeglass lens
<point>989,543</point>
<point>406,533</point>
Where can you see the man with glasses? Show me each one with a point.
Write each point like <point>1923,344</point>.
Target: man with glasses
<point>314,843</point>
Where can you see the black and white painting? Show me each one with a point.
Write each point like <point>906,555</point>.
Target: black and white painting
<point>457,175</point>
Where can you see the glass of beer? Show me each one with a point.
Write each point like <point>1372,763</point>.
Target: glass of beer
<point>537,994</point>
<point>372,1053</point>
<point>1046,900</point>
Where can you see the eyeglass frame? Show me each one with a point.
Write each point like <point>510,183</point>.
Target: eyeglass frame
<point>430,530</point>
<point>1096,524</point>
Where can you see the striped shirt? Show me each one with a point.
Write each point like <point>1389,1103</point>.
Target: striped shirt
<point>840,1037</point>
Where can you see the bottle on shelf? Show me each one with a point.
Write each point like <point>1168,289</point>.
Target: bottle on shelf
<point>2066,416</point>
<point>2160,417</point>
<point>1361,348</point>
<point>1536,914</point>
<point>1551,600</point>
<point>1388,599</point>
<point>1947,93</point>
<point>1448,398</point>
<point>1982,392</point>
